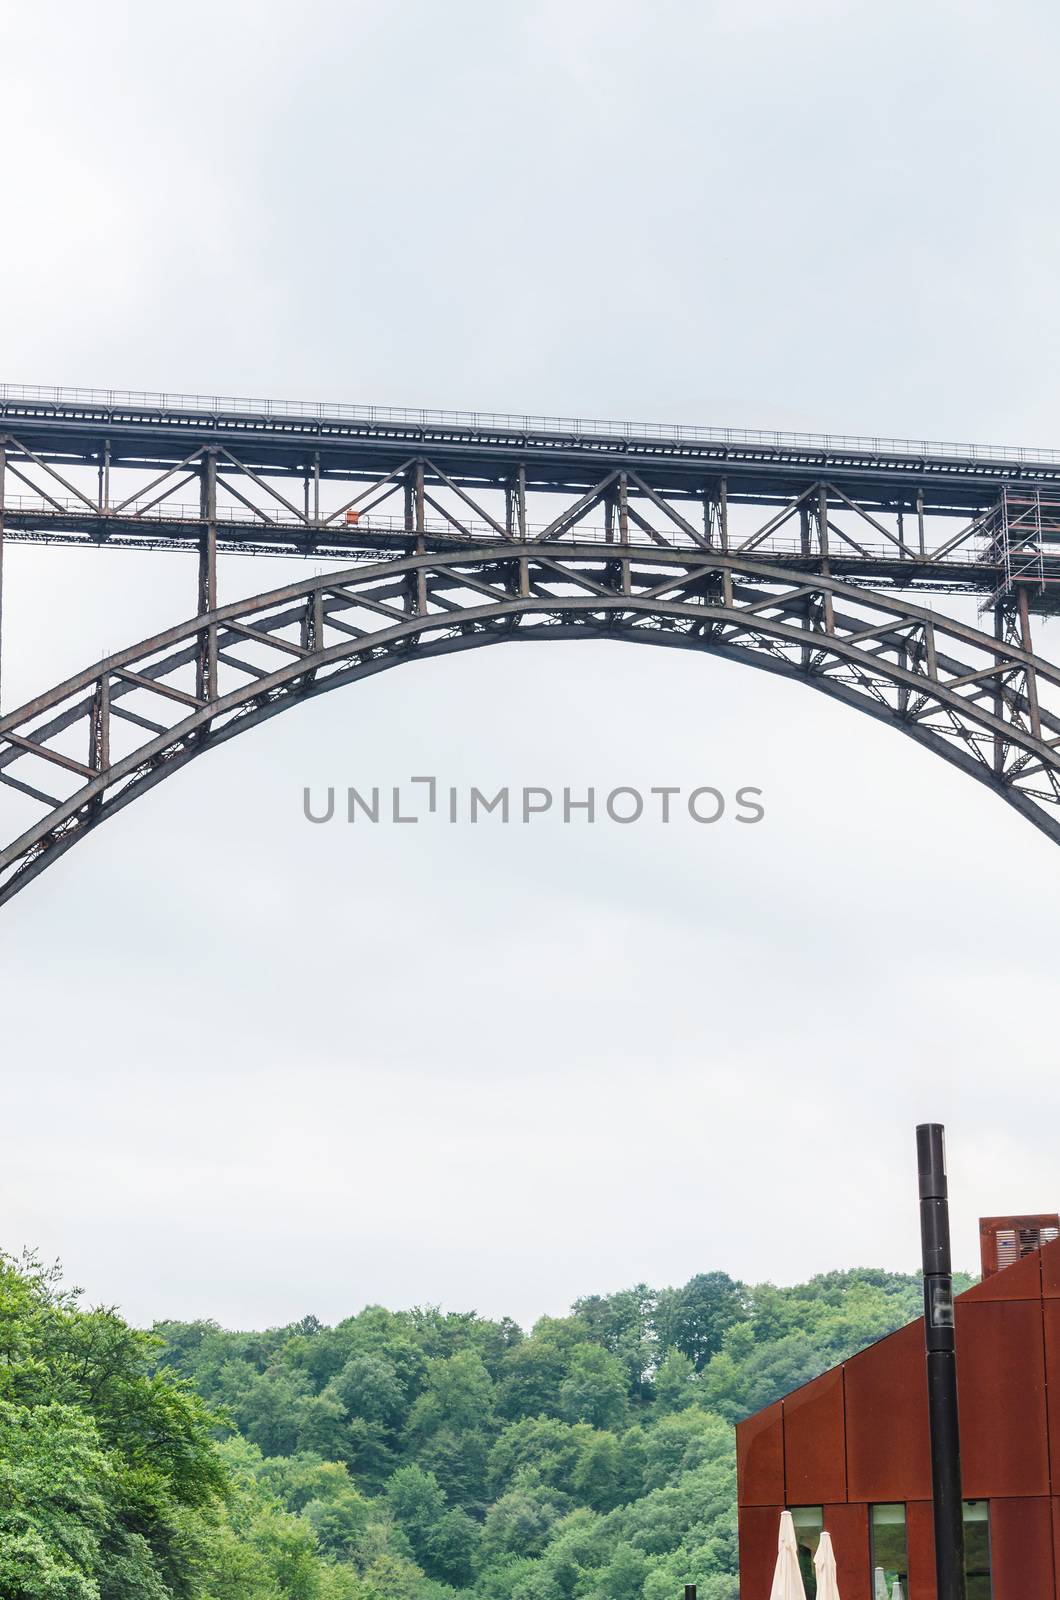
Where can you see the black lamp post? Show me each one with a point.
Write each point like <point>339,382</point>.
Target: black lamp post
<point>940,1338</point>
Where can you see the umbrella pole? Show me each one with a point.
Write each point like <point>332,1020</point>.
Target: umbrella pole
<point>940,1339</point>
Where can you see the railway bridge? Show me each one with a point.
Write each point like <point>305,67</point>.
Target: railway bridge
<point>907,579</point>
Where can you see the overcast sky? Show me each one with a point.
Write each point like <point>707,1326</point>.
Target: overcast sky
<point>253,1068</point>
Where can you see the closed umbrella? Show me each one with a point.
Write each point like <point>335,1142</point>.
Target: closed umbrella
<point>787,1579</point>
<point>879,1586</point>
<point>824,1566</point>
<point>896,1592</point>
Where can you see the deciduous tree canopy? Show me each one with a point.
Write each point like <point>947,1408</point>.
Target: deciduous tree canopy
<point>411,1455</point>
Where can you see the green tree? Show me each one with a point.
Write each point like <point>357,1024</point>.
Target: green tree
<point>533,1370</point>
<point>595,1388</point>
<point>694,1319</point>
<point>675,1382</point>
<point>339,1521</point>
<point>519,1523</point>
<point>418,1504</point>
<point>593,1460</point>
<point>55,1491</point>
<point>459,1393</point>
<point>623,1324</point>
<point>368,1386</point>
<point>598,1479</point>
<point>452,1548</point>
<point>625,1574</point>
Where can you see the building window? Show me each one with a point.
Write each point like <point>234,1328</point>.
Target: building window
<point>977,1549</point>
<point>808,1520</point>
<point>890,1554</point>
<point>890,1557</point>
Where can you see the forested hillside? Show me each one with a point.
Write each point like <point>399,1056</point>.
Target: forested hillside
<point>410,1455</point>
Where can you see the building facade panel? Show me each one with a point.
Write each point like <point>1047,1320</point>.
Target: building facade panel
<point>1050,1259</point>
<point>760,1458</point>
<point>888,1450</point>
<point>1021,1281</point>
<point>815,1442</point>
<point>759,1526</point>
<point>920,1536</point>
<point>1051,1314</point>
<point>1001,1392</point>
<point>1021,1549</point>
<point>849,1527</point>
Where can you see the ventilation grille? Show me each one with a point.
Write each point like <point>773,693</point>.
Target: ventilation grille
<point>1006,1240</point>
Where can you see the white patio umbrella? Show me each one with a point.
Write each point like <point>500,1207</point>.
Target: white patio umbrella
<point>879,1586</point>
<point>787,1579</point>
<point>896,1592</point>
<point>824,1566</point>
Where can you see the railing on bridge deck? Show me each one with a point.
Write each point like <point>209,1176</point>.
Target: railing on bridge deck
<point>516,423</point>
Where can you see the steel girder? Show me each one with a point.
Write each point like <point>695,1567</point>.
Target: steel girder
<point>275,436</point>
<point>868,509</point>
<point>89,746</point>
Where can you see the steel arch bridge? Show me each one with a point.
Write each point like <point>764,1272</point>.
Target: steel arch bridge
<point>805,556</point>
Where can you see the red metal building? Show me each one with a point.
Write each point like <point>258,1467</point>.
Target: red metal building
<point>850,1452</point>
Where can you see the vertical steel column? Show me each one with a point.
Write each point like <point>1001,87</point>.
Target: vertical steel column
<point>999,695</point>
<point>941,1346</point>
<point>3,480</point>
<point>410,503</point>
<point>920,520</point>
<point>415,586</point>
<point>822,524</point>
<point>104,477</point>
<point>623,529</point>
<point>822,534</point>
<point>421,541</point>
<point>409,496</point>
<point>723,530</point>
<point>206,676</point>
<point>806,606</point>
<point>520,522</point>
<point>520,499</point>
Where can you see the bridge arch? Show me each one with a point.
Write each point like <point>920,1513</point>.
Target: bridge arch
<point>110,733</point>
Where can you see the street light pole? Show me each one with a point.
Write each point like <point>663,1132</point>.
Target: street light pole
<point>941,1343</point>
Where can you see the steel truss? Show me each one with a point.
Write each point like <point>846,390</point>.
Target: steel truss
<point>87,747</point>
<point>102,468</point>
<point>788,552</point>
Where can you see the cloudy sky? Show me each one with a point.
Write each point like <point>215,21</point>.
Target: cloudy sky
<point>253,1068</point>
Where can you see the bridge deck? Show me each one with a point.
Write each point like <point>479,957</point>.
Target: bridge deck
<point>155,430</point>
<point>893,485</point>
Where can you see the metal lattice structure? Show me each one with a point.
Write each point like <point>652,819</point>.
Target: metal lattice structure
<point>806,556</point>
